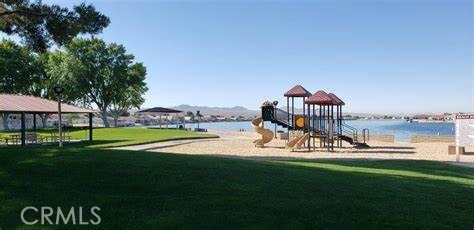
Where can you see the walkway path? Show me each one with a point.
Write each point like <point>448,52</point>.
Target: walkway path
<point>157,145</point>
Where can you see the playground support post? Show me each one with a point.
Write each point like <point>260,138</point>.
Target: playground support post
<point>309,131</point>
<point>320,128</point>
<point>276,131</point>
<point>327,128</point>
<point>332,127</point>
<point>339,144</point>
<point>293,111</point>
<point>340,124</point>
<point>275,106</point>
<point>325,112</point>
<point>313,122</point>
<point>287,109</point>
<point>304,112</point>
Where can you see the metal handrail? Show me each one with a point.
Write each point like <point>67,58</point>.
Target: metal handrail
<point>348,126</point>
<point>364,133</point>
<point>350,130</point>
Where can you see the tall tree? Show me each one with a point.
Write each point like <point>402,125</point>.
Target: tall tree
<point>99,73</point>
<point>19,71</point>
<point>40,24</point>
<point>132,94</point>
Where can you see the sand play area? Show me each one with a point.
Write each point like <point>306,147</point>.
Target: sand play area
<point>239,144</point>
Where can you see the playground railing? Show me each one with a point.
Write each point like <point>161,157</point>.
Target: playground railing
<point>366,134</point>
<point>349,130</point>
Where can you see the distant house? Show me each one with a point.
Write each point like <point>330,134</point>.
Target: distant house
<point>221,118</point>
<point>126,122</point>
<point>146,119</point>
<point>206,118</point>
<point>421,117</point>
<point>437,118</point>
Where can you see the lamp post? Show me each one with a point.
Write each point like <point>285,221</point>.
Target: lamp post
<point>198,114</point>
<point>59,91</point>
<point>275,103</point>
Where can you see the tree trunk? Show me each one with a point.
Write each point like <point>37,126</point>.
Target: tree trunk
<point>5,121</point>
<point>44,120</point>
<point>116,117</point>
<point>104,118</point>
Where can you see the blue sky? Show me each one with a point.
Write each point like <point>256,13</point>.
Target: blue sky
<point>379,56</point>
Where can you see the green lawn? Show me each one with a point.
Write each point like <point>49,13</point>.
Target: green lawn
<point>145,190</point>
<point>114,137</point>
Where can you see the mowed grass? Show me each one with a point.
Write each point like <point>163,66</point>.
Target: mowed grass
<point>145,190</point>
<point>115,137</point>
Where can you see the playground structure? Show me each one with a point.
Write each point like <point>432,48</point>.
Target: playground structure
<point>321,121</point>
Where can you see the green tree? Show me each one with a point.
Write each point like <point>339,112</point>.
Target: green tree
<point>20,72</point>
<point>94,72</point>
<point>18,68</point>
<point>40,24</point>
<point>132,94</point>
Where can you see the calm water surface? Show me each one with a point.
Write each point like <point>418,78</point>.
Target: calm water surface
<point>400,128</point>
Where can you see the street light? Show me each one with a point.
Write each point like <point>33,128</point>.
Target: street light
<point>198,114</point>
<point>59,90</point>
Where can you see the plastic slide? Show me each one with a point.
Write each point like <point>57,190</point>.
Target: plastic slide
<point>302,140</point>
<point>298,141</point>
<point>267,135</point>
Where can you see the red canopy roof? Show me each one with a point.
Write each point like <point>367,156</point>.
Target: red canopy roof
<point>319,98</point>
<point>335,99</point>
<point>14,103</point>
<point>297,91</point>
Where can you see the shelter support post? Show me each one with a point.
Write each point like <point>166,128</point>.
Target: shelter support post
<point>90,127</point>
<point>23,130</point>
<point>34,122</point>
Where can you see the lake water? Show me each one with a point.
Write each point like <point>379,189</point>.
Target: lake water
<point>400,128</point>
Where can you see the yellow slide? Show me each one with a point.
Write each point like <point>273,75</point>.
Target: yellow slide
<point>267,135</point>
<point>298,141</point>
